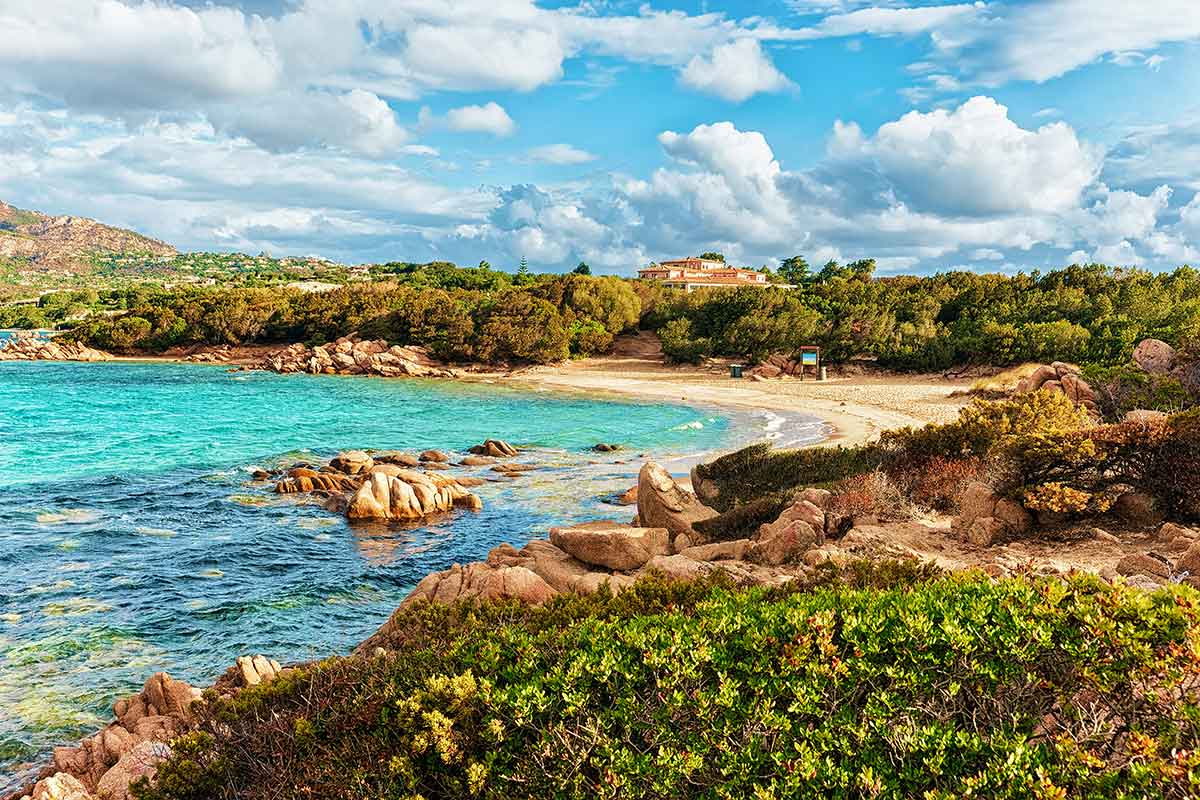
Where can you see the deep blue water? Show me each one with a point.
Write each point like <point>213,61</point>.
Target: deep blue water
<point>133,539</point>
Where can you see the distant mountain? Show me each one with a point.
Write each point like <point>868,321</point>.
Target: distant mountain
<point>67,243</point>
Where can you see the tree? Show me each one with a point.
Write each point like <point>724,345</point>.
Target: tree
<point>795,270</point>
<point>582,269</point>
<point>710,256</point>
<point>523,275</point>
<point>484,265</point>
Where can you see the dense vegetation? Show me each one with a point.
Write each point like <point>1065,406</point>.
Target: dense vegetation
<point>1091,315</point>
<point>461,315</point>
<point>890,682</point>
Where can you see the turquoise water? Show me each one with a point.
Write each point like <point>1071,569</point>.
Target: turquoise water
<point>132,538</point>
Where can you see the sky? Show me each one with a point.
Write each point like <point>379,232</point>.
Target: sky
<point>995,136</point>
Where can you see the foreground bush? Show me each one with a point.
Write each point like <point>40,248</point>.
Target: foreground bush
<point>889,683</point>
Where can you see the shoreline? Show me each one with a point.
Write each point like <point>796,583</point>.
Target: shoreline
<point>853,409</point>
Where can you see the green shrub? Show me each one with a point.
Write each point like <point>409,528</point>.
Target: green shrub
<point>1125,388</point>
<point>680,345</point>
<point>916,687</point>
<point>757,471</point>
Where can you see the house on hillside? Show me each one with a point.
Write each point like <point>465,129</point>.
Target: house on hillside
<point>690,274</point>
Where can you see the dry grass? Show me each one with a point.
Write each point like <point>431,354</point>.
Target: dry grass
<point>1003,382</point>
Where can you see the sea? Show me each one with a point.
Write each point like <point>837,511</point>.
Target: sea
<point>134,539</point>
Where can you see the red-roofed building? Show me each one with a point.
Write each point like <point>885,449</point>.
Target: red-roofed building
<point>699,273</point>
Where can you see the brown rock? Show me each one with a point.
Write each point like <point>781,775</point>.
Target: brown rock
<point>1138,508</point>
<point>1141,564</point>
<point>61,786</point>
<point>718,551</point>
<point>662,504</point>
<point>399,459</point>
<point>678,567</point>
<point>169,696</point>
<point>590,583</point>
<point>436,456</point>
<point>801,510</point>
<point>612,545</point>
<point>629,496</point>
<point>141,761</point>
<point>1189,562</point>
<point>352,462</point>
<point>477,461</point>
<point>818,497</point>
<point>1155,355</point>
<point>984,531</point>
<point>784,544</point>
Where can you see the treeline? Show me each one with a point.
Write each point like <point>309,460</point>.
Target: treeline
<point>1090,315</point>
<point>460,314</point>
<point>1093,315</point>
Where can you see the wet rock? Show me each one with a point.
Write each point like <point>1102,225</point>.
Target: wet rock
<point>663,504</point>
<point>399,459</point>
<point>604,447</point>
<point>612,545</point>
<point>477,461</point>
<point>629,497</point>
<point>436,456</point>
<point>496,448</point>
<point>352,462</point>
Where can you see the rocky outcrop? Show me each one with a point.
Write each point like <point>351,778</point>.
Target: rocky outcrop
<point>104,765</point>
<point>494,448</point>
<point>350,355</point>
<point>662,503</point>
<point>984,517</point>
<point>69,242</point>
<point>407,494</point>
<point>29,346</point>
<point>355,485</point>
<point>1060,377</point>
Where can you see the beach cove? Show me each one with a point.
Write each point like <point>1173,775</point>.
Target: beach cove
<point>136,540</point>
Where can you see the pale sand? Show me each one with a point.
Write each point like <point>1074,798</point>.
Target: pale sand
<point>857,408</point>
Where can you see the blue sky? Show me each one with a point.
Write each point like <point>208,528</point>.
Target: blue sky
<point>995,136</point>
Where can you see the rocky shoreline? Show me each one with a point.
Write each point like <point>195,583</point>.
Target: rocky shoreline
<point>663,537</point>
<point>31,346</point>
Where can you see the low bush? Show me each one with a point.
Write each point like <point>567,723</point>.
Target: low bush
<point>1126,388</point>
<point>1083,471</point>
<point>918,686</point>
<point>756,471</point>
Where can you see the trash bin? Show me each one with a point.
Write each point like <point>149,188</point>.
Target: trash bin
<point>735,370</point>
<point>823,375</point>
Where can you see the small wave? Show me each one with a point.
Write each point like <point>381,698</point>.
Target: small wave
<point>160,532</point>
<point>68,516</point>
<point>211,573</point>
<point>694,425</point>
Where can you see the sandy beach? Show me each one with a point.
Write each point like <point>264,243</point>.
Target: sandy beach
<point>858,408</point>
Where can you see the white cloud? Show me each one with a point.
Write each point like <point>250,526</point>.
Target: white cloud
<point>1044,40</point>
<point>488,118</point>
<point>356,120</point>
<point>735,71</point>
<point>1121,253</point>
<point>974,160</point>
<point>560,154</point>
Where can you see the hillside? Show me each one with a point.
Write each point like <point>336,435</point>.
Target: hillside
<point>67,243</point>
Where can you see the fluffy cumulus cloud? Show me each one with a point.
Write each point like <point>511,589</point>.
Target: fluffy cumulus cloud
<point>735,71</point>
<point>974,160</point>
<point>487,118</point>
